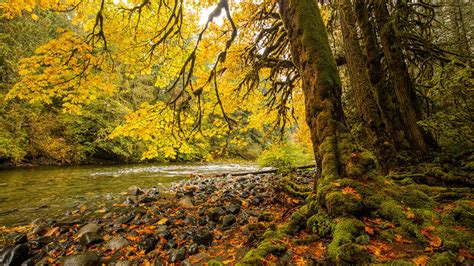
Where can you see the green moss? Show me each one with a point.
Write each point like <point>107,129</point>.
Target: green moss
<point>392,210</point>
<point>342,248</point>
<point>321,224</point>
<point>462,214</point>
<point>297,221</point>
<point>215,263</point>
<point>416,199</point>
<point>424,217</point>
<point>400,263</point>
<point>267,247</point>
<point>339,204</point>
<point>445,258</point>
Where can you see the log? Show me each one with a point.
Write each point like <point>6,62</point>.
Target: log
<point>270,171</point>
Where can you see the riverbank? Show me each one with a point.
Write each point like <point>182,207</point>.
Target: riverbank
<point>196,220</point>
<point>202,220</point>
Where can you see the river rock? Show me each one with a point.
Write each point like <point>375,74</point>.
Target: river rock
<point>134,191</point>
<point>88,258</point>
<point>228,220</point>
<point>15,255</point>
<point>186,203</point>
<point>177,255</point>
<point>123,263</point>
<point>233,208</point>
<point>193,249</point>
<point>214,214</point>
<point>89,228</point>
<point>40,230</point>
<point>203,237</point>
<point>117,242</point>
<point>90,238</point>
<point>125,219</point>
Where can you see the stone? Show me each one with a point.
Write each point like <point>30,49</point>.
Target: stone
<point>125,219</point>
<point>186,203</point>
<point>40,230</point>
<point>123,263</point>
<point>178,255</point>
<point>116,242</point>
<point>170,244</point>
<point>228,220</point>
<point>89,228</point>
<point>15,255</point>
<point>214,214</point>
<point>203,237</point>
<point>90,238</point>
<point>193,249</point>
<point>233,208</point>
<point>88,258</point>
<point>134,191</point>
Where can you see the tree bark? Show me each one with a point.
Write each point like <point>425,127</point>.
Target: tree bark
<point>383,89</point>
<point>321,85</point>
<point>420,142</point>
<point>376,132</point>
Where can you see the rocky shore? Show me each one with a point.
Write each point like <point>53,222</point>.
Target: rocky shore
<point>204,220</point>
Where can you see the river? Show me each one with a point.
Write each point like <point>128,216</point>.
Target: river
<point>30,193</point>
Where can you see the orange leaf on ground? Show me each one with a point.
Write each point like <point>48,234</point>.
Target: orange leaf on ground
<point>466,254</point>
<point>421,260</point>
<point>435,241</point>
<point>369,230</point>
<point>352,191</point>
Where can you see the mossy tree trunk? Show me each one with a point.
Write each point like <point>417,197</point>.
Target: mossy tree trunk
<point>421,142</point>
<point>378,133</point>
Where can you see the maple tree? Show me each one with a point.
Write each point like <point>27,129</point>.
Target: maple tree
<point>260,66</point>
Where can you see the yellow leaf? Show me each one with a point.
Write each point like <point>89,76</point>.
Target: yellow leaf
<point>34,17</point>
<point>421,260</point>
<point>162,221</point>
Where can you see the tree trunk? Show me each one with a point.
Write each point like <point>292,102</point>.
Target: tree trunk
<point>336,154</point>
<point>383,88</point>
<point>377,135</point>
<point>420,142</point>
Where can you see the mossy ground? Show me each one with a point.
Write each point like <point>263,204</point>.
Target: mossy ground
<point>400,221</point>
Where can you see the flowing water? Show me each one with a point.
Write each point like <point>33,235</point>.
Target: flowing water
<point>26,194</point>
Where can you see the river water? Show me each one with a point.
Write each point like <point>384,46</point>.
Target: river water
<point>30,193</point>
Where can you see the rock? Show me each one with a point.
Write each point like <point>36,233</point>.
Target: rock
<point>134,191</point>
<point>214,214</point>
<point>149,244</point>
<point>40,230</point>
<point>178,255</point>
<point>266,217</point>
<point>90,238</point>
<point>89,228</point>
<point>203,237</point>
<point>233,208</point>
<point>123,263</point>
<point>228,220</point>
<point>88,258</point>
<point>190,220</point>
<point>147,200</point>
<point>20,239</point>
<point>129,201</point>
<point>186,203</point>
<point>193,249</point>
<point>116,242</point>
<point>170,244</point>
<point>125,219</point>
<point>15,255</point>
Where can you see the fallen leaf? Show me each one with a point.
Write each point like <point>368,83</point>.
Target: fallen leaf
<point>352,191</point>
<point>369,230</point>
<point>435,241</point>
<point>421,260</point>
<point>162,221</point>
<point>466,254</point>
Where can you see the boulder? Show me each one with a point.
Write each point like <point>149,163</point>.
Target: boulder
<point>186,203</point>
<point>88,258</point>
<point>134,191</point>
<point>117,242</point>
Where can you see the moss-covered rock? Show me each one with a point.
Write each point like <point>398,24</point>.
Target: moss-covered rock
<point>343,247</point>
<point>392,210</point>
<point>340,204</point>
<point>462,214</point>
<point>416,199</point>
<point>215,263</point>
<point>445,258</point>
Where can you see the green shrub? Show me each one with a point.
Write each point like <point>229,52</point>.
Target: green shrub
<point>284,155</point>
